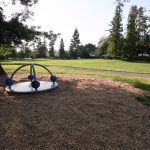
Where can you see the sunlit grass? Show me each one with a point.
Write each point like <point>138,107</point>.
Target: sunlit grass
<point>101,64</point>
<point>136,82</point>
<point>141,83</point>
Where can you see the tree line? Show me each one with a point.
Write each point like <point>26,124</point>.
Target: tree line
<point>42,46</point>
<point>136,38</point>
<point>17,40</point>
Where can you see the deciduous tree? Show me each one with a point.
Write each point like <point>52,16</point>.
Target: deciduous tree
<point>102,46</point>
<point>13,31</point>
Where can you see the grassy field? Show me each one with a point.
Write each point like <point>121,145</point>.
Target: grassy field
<point>137,82</point>
<point>141,83</point>
<point>101,64</point>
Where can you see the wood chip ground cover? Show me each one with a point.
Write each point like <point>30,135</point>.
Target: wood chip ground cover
<point>83,113</point>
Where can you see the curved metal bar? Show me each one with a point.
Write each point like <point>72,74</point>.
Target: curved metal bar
<point>30,69</point>
<point>44,68</point>
<point>33,71</point>
<point>18,69</point>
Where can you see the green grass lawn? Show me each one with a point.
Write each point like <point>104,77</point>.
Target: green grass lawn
<point>142,83</point>
<point>101,64</point>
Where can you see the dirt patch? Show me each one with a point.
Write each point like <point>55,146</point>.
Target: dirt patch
<point>83,113</point>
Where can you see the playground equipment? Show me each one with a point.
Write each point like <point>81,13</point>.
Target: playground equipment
<point>32,85</point>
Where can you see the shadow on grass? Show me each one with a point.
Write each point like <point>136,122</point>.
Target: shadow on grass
<point>144,99</point>
<point>138,84</point>
<point>135,82</point>
<point>141,85</point>
<point>138,60</point>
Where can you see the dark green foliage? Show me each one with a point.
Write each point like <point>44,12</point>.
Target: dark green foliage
<point>137,35</point>
<point>141,30</point>
<point>13,31</point>
<point>51,51</point>
<point>74,45</point>
<point>18,32</point>
<point>131,39</point>
<point>20,54</point>
<point>144,99</point>
<point>87,50</point>
<point>137,39</point>
<point>83,53</point>
<point>115,47</point>
<point>41,51</point>
<point>7,51</point>
<point>90,48</point>
<point>61,49</point>
<point>147,43</point>
<point>52,38</point>
<point>67,55</point>
<point>27,53</point>
<point>34,54</point>
<point>102,47</point>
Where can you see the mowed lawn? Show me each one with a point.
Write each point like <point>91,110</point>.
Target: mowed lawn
<point>101,64</point>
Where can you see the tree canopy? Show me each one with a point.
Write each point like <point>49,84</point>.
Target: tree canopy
<point>13,31</point>
<point>135,40</point>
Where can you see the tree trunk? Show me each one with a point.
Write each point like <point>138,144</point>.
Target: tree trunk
<point>2,72</point>
<point>3,76</point>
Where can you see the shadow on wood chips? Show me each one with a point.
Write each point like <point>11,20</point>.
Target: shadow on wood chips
<point>83,113</point>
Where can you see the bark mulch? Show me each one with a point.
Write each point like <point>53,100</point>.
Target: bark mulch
<point>83,113</point>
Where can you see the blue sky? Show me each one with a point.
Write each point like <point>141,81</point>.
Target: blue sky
<point>90,17</point>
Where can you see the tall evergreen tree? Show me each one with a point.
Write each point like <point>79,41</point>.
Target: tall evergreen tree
<point>41,50</point>
<point>136,32</point>
<point>61,49</point>
<point>52,39</point>
<point>131,39</point>
<point>74,45</point>
<point>51,51</point>
<point>147,39</point>
<point>142,27</point>
<point>115,37</point>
